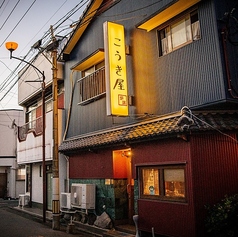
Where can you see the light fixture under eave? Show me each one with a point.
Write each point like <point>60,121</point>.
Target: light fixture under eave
<point>11,46</point>
<point>126,153</point>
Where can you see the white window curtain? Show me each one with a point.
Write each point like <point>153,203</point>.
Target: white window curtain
<point>196,30</point>
<point>178,32</point>
<point>174,175</point>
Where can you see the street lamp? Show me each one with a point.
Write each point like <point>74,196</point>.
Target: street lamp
<point>11,46</point>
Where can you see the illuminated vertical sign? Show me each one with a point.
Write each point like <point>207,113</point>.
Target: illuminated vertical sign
<point>115,68</point>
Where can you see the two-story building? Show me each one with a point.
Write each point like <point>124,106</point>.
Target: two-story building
<point>12,176</point>
<point>151,95</point>
<point>32,135</point>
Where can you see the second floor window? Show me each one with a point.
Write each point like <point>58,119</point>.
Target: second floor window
<point>31,116</point>
<point>92,85</point>
<point>179,33</point>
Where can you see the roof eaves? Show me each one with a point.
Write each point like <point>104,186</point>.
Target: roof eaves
<point>83,23</point>
<point>152,129</point>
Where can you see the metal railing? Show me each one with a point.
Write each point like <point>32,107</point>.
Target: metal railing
<point>92,86</point>
<point>35,126</point>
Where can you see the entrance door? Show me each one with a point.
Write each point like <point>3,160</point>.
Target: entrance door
<point>49,178</point>
<point>122,171</point>
<point>3,185</point>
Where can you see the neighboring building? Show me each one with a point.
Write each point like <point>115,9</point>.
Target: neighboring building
<point>157,135</point>
<point>30,145</point>
<point>12,176</point>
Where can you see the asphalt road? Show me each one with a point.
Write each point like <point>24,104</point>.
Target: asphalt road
<point>14,225</point>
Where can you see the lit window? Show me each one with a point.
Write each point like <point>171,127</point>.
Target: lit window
<point>174,183</point>
<point>150,181</point>
<point>179,33</point>
<point>162,182</point>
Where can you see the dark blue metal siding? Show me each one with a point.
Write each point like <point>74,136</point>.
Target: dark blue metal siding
<point>192,75</point>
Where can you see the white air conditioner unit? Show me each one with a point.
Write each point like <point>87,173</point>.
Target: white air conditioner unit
<point>65,200</point>
<point>83,196</point>
<point>23,200</point>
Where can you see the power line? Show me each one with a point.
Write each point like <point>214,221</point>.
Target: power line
<point>12,82</point>
<point>9,15</point>
<point>2,4</point>
<point>4,7</point>
<point>18,23</point>
<point>69,14</point>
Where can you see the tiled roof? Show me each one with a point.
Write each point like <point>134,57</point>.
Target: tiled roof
<point>154,128</point>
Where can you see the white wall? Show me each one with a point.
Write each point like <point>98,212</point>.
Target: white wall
<point>27,89</point>
<point>30,150</point>
<point>8,133</point>
<point>37,184</point>
<point>8,150</point>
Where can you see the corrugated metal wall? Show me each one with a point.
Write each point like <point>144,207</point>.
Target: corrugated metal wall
<point>167,218</point>
<point>191,75</point>
<point>91,165</point>
<point>214,170</point>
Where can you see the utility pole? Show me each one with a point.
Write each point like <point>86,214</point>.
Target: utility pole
<point>55,168</point>
<point>43,149</point>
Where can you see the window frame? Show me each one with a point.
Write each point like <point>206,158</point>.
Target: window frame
<point>167,28</point>
<point>21,174</point>
<point>162,192</point>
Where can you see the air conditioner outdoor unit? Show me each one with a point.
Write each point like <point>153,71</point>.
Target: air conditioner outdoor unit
<point>65,200</point>
<point>83,196</point>
<point>23,200</point>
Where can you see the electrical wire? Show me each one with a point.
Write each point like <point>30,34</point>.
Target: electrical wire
<point>136,10</point>
<point>204,122</point>
<point>64,18</point>
<point>9,14</point>
<point>218,130</point>
<point>2,4</point>
<point>69,14</point>
<point>18,22</point>
<point>75,9</point>
<point>4,7</point>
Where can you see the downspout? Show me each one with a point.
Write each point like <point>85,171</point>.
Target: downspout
<point>228,75</point>
<point>30,202</point>
<point>70,104</point>
<point>67,173</point>
<point>67,126</point>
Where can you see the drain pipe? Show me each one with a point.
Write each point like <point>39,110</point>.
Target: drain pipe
<point>67,173</point>
<point>223,33</point>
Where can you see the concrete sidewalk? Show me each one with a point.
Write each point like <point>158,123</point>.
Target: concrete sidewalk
<point>124,230</point>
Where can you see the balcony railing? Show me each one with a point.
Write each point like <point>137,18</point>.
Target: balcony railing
<point>92,87</point>
<point>34,126</point>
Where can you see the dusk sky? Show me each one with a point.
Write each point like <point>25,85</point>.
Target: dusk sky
<point>25,22</point>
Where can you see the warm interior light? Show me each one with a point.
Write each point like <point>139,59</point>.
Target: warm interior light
<point>126,153</point>
<point>11,46</point>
